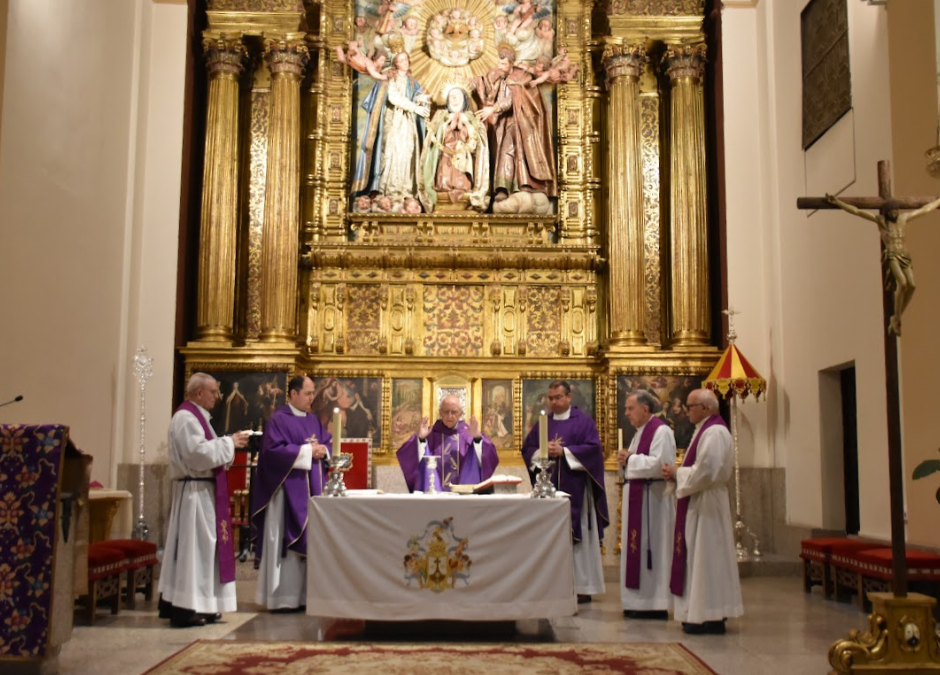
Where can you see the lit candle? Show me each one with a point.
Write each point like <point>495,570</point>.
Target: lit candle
<point>543,435</point>
<point>619,439</point>
<point>337,433</point>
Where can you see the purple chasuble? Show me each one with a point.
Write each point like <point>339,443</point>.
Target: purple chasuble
<point>284,433</point>
<point>680,552</point>
<point>638,488</point>
<point>579,434</point>
<point>456,459</point>
<point>225,547</point>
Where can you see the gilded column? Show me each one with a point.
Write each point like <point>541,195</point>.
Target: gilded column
<point>685,66</point>
<point>625,218</point>
<point>215,304</point>
<point>287,58</point>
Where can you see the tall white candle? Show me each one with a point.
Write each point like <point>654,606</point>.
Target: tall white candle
<point>543,435</point>
<point>619,439</point>
<point>337,432</point>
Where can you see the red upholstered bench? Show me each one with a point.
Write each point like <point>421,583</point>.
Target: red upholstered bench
<point>844,576</point>
<point>105,566</point>
<point>817,560</point>
<point>140,557</point>
<point>873,572</point>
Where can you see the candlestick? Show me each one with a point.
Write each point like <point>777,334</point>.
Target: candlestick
<point>337,433</point>
<point>543,435</point>
<point>619,438</point>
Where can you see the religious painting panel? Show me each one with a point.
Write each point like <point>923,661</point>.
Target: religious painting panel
<point>363,318</point>
<point>432,64</point>
<point>497,413</point>
<point>246,399</point>
<point>406,409</point>
<point>460,391</point>
<point>359,400</point>
<point>543,327</point>
<point>535,399</point>
<point>671,391</point>
<point>453,320</point>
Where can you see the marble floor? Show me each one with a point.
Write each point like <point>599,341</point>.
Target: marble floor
<point>784,632</point>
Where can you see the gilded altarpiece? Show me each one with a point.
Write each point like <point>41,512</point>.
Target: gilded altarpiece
<point>604,275</point>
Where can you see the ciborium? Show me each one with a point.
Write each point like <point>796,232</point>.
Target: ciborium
<point>335,485</point>
<point>543,488</point>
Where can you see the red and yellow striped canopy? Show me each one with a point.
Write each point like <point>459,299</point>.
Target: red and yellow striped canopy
<point>735,376</point>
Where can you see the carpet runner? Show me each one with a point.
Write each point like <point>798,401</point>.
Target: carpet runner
<point>222,657</point>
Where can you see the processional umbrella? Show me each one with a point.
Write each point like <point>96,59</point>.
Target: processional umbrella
<point>733,378</point>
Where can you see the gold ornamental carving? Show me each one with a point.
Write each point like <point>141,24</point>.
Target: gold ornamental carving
<point>651,152</point>
<point>685,62</point>
<point>627,60</point>
<point>335,291</point>
<point>256,5</point>
<point>656,7</point>
<point>902,637</point>
<point>215,303</point>
<point>224,54</point>
<point>691,326</point>
<point>287,58</point>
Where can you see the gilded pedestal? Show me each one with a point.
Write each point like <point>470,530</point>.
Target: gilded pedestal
<point>902,638</point>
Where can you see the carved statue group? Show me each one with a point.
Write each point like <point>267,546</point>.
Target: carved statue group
<point>464,141</point>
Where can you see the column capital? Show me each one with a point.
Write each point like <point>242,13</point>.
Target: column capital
<point>685,61</point>
<point>624,59</point>
<point>287,54</point>
<point>225,53</point>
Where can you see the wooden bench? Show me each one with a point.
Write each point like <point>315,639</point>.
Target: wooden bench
<point>842,568</point>
<point>140,557</point>
<point>105,567</point>
<point>817,560</point>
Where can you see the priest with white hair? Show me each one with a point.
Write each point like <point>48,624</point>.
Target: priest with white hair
<point>706,589</point>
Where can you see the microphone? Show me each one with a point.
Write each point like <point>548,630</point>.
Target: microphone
<point>12,400</point>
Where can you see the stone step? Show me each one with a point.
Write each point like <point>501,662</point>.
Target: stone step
<point>771,565</point>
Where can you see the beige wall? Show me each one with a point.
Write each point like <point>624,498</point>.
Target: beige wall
<point>4,9</point>
<point>808,284</point>
<point>89,193</point>
<point>914,129</point>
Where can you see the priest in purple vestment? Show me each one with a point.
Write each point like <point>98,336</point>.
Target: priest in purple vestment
<point>578,470</point>
<point>290,471</point>
<point>464,455</point>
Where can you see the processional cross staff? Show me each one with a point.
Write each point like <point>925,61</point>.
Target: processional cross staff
<point>893,214</point>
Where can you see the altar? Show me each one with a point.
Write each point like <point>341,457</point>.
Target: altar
<point>407,557</point>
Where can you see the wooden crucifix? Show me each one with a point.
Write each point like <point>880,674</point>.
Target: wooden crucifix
<point>893,214</point>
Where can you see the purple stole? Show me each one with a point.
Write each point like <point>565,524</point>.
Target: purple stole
<point>225,547</point>
<point>635,502</point>
<point>677,579</point>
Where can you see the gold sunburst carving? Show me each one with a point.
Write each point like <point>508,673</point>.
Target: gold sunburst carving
<point>434,76</point>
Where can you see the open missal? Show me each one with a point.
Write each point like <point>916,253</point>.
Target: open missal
<point>498,483</point>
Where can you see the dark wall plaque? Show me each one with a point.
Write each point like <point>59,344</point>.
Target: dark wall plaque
<point>827,78</point>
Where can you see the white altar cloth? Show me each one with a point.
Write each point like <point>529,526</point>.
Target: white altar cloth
<point>407,557</point>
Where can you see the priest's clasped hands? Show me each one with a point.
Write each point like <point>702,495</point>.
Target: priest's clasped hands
<point>555,448</point>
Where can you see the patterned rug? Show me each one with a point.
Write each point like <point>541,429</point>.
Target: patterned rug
<point>299,658</point>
